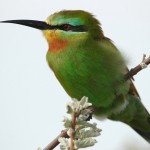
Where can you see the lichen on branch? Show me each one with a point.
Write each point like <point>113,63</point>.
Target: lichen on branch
<point>80,131</point>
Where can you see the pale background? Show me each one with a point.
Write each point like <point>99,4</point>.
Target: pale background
<point>32,102</point>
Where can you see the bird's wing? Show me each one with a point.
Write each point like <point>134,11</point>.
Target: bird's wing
<point>133,91</point>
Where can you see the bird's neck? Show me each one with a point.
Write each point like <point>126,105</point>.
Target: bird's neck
<point>56,45</point>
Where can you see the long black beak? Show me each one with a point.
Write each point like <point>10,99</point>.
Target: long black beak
<point>31,23</point>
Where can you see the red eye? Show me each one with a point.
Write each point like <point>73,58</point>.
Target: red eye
<point>67,27</point>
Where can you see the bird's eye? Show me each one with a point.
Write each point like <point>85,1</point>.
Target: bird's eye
<point>66,27</point>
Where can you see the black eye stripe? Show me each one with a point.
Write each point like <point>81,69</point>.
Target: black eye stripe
<point>68,27</point>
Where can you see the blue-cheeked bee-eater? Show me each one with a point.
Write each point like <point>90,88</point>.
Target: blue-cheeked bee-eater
<point>87,63</point>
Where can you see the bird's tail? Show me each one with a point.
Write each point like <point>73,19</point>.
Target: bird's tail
<point>136,116</point>
<point>145,135</point>
<point>141,124</point>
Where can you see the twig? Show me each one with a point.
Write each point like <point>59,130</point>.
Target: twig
<point>138,68</point>
<point>55,142</point>
<point>72,137</point>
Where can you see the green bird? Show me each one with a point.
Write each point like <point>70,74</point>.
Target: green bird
<point>87,63</point>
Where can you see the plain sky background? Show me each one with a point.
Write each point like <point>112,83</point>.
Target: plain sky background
<point>32,102</point>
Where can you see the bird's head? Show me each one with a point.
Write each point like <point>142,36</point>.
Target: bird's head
<point>68,27</point>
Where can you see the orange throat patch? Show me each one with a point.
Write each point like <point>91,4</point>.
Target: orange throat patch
<point>56,45</point>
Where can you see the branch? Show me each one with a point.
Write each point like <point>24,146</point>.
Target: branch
<point>72,137</point>
<point>55,142</point>
<point>70,132</point>
<point>145,62</point>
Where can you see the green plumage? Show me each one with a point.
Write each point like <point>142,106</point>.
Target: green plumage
<point>91,70</point>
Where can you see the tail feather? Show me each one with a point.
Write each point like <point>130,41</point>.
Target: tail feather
<point>136,116</point>
<point>145,135</point>
<point>141,123</point>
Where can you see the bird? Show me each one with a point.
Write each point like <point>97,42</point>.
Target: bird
<point>87,63</point>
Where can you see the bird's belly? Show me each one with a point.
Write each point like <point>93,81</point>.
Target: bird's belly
<point>101,93</point>
<point>82,75</point>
